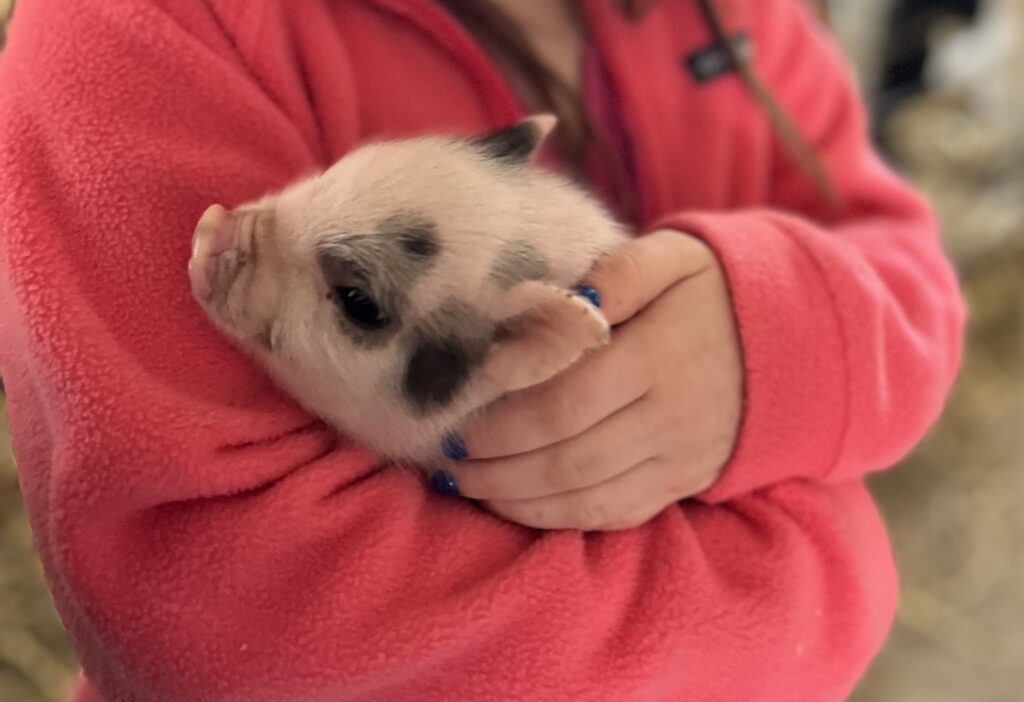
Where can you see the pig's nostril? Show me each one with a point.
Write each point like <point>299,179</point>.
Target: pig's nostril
<point>213,240</point>
<point>216,229</point>
<point>201,272</point>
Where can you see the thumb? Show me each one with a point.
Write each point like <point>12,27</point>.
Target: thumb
<point>641,270</point>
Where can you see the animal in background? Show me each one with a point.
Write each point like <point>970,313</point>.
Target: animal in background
<point>984,62</point>
<point>411,283</point>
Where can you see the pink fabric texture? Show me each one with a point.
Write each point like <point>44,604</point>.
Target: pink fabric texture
<point>205,539</point>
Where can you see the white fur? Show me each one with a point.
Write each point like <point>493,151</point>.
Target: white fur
<point>985,62</point>
<point>277,305</point>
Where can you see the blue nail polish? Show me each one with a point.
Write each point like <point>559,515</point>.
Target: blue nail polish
<point>444,484</point>
<point>590,293</point>
<point>454,447</point>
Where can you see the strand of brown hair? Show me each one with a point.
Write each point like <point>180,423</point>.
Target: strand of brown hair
<point>576,133</point>
<point>636,8</point>
<point>807,159</point>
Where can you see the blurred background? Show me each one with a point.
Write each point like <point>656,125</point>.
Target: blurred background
<point>945,82</point>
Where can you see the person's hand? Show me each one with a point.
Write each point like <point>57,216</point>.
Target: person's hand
<point>633,427</point>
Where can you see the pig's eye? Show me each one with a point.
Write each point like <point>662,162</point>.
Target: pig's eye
<point>360,308</point>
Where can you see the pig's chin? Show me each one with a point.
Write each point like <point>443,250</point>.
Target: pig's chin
<point>396,438</point>
<point>391,434</point>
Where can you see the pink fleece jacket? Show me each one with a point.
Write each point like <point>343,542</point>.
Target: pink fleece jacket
<point>206,539</point>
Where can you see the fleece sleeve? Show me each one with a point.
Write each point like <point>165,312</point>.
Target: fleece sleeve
<point>205,539</point>
<point>850,316</point>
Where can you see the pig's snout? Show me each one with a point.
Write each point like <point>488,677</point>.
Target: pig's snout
<point>214,252</point>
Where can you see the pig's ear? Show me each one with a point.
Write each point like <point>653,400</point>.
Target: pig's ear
<point>542,330</point>
<point>519,143</point>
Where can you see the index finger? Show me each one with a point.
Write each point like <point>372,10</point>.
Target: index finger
<point>596,387</point>
<point>641,270</point>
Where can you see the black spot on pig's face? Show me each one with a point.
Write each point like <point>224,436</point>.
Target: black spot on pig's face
<point>437,370</point>
<point>415,234</point>
<point>367,310</point>
<point>368,276</point>
<point>518,261</point>
<point>444,351</point>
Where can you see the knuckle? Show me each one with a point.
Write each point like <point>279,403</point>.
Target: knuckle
<point>541,518</point>
<point>624,266</point>
<point>592,516</point>
<point>704,480</point>
<point>620,276</point>
<point>630,517</point>
<point>561,415</point>
<point>567,469</point>
<point>512,512</point>
<point>692,479</point>
<point>623,524</point>
<point>635,517</point>
<point>481,438</point>
<point>485,433</point>
<point>477,484</point>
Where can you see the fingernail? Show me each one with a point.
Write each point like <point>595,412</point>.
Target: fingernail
<point>454,447</point>
<point>444,484</point>
<point>590,293</point>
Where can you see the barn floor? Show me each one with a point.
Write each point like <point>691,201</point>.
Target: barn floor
<point>36,662</point>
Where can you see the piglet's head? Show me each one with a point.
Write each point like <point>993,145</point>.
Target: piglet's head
<point>410,284</point>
